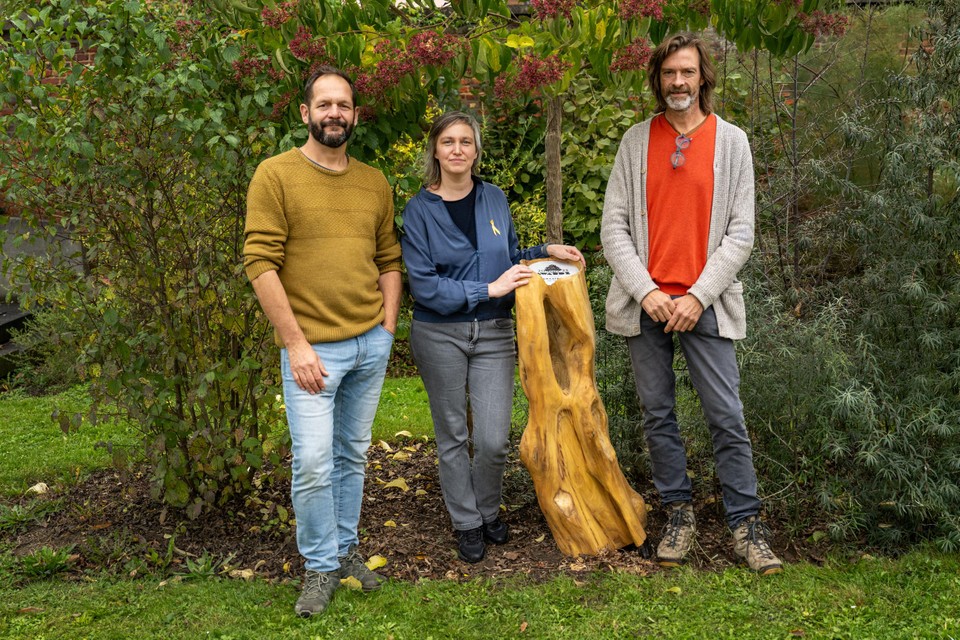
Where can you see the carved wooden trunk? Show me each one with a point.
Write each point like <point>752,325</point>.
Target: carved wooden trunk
<point>566,448</point>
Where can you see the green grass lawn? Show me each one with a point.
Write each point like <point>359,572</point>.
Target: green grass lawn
<point>36,450</point>
<point>917,596</point>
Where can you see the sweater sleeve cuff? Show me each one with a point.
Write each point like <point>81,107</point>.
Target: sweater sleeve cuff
<point>390,266</point>
<point>256,269</point>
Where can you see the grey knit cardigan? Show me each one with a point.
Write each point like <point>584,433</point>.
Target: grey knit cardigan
<point>623,231</point>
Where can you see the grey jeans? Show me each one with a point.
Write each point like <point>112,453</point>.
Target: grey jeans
<point>712,363</point>
<point>458,360</point>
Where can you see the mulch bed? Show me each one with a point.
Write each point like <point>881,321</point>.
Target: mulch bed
<point>113,524</point>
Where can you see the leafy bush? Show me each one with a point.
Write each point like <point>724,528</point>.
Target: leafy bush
<point>143,159</point>
<point>857,403</point>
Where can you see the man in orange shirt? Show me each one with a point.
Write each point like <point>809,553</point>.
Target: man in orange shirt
<point>677,227</point>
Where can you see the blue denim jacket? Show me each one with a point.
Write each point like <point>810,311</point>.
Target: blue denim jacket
<point>448,277</point>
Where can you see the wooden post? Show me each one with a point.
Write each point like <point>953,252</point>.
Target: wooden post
<point>554,171</point>
<point>587,502</point>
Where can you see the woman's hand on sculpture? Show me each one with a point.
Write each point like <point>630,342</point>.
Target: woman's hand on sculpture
<point>516,276</point>
<point>566,252</point>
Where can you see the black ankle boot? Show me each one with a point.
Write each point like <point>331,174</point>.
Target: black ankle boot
<point>496,532</point>
<point>471,548</point>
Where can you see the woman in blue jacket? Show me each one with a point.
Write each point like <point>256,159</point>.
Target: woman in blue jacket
<point>462,255</point>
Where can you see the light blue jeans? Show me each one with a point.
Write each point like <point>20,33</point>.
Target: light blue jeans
<point>712,363</point>
<point>330,434</point>
<point>457,361</point>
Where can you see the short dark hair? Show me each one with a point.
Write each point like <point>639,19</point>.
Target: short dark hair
<point>431,166</point>
<point>708,74</point>
<point>326,70</point>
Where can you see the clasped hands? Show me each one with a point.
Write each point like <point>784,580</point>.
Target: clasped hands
<point>680,314</point>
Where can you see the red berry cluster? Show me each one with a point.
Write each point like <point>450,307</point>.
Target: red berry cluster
<point>248,66</point>
<point>630,9</point>
<point>186,29</point>
<point>437,49</point>
<point>280,106</point>
<point>277,17</point>
<point>703,6</point>
<point>633,57</point>
<point>305,47</point>
<point>534,73</point>
<point>821,23</point>
<point>547,9</point>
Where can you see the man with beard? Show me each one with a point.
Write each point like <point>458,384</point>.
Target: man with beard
<point>677,227</point>
<point>323,257</point>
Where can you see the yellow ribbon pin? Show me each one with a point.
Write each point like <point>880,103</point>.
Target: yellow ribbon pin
<point>494,227</point>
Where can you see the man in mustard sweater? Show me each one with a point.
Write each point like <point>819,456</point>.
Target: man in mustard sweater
<point>323,257</point>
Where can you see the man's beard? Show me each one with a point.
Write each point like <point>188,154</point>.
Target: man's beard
<point>332,140</point>
<point>679,101</point>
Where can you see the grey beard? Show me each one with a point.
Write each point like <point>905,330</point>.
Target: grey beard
<point>680,103</point>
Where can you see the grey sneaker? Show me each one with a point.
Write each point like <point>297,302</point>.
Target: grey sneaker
<point>318,588</point>
<point>678,535</point>
<point>752,545</point>
<point>353,565</point>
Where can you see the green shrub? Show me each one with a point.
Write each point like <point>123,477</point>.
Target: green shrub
<point>143,160</point>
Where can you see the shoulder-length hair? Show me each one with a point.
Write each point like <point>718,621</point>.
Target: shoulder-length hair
<point>708,75</point>
<point>431,166</point>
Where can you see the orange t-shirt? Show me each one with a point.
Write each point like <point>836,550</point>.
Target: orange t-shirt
<point>679,204</point>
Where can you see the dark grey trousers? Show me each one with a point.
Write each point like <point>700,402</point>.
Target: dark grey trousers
<point>458,359</point>
<point>712,363</point>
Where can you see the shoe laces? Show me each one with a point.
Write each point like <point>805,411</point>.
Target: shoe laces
<point>678,520</point>
<point>314,581</point>
<point>352,559</point>
<point>472,535</point>
<point>757,535</point>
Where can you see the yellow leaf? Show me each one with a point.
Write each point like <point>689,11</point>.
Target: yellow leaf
<point>401,455</point>
<point>386,447</point>
<point>399,483</point>
<point>351,583</point>
<point>375,562</point>
<point>242,574</point>
<point>541,538</point>
<point>421,492</point>
<point>286,567</point>
<point>405,434</point>
<point>676,590</point>
<point>389,523</point>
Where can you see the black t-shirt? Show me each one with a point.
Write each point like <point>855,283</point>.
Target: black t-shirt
<point>463,212</point>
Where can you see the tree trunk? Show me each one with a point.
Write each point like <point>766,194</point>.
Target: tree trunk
<point>554,172</point>
<point>566,448</point>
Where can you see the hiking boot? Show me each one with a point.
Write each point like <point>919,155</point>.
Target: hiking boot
<point>752,545</point>
<point>496,532</point>
<point>678,535</point>
<point>470,547</point>
<point>353,565</point>
<point>318,588</point>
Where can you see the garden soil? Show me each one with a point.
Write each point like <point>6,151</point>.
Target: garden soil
<point>112,524</point>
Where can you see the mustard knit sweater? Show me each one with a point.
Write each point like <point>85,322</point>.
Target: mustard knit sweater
<point>329,235</point>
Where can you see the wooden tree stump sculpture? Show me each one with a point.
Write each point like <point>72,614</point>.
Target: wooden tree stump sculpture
<point>587,502</point>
